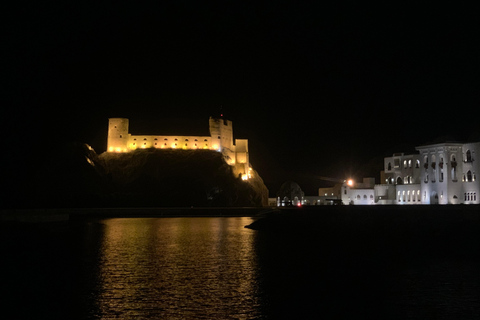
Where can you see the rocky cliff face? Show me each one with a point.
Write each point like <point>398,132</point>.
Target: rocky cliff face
<point>78,177</point>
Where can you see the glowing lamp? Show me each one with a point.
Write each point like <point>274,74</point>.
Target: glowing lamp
<point>350,182</point>
<point>111,149</point>
<point>244,177</point>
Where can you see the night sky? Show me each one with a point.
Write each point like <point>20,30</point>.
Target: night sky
<point>317,90</point>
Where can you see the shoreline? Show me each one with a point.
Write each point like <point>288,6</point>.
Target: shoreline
<point>73,214</point>
<point>471,212</point>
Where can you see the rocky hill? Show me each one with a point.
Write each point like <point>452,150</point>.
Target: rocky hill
<point>78,177</point>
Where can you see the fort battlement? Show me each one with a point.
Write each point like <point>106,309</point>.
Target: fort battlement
<point>120,140</point>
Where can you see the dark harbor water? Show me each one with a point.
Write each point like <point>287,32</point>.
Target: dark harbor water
<point>214,268</point>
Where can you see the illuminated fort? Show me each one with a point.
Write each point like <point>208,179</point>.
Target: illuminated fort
<point>220,140</point>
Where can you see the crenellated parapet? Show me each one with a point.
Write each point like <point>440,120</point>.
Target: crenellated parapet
<point>120,140</point>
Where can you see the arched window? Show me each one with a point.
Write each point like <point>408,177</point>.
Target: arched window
<point>389,167</point>
<point>399,180</point>
<point>434,167</point>
<point>405,164</point>
<point>469,176</point>
<point>364,196</point>
<point>417,164</point>
<point>409,163</point>
<point>453,164</point>
<point>425,162</point>
<point>468,155</point>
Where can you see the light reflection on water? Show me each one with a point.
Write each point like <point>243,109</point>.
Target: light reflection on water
<point>214,268</point>
<point>176,268</point>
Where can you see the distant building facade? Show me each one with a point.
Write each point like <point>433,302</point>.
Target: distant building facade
<point>359,193</point>
<point>220,139</point>
<point>443,173</point>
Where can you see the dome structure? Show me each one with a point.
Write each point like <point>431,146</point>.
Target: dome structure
<point>290,193</point>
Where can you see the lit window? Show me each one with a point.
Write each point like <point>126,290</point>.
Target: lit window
<point>469,176</point>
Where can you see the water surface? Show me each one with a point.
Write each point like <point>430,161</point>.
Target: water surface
<point>214,268</point>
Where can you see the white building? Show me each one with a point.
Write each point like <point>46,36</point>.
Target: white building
<point>359,193</point>
<point>443,173</point>
<point>449,173</point>
<point>400,180</point>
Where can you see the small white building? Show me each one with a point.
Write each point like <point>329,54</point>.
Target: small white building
<point>359,193</point>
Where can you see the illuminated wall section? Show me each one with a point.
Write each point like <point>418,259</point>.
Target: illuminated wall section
<point>441,168</point>
<point>241,150</point>
<point>221,132</point>
<point>118,136</point>
<point>170,142</point>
